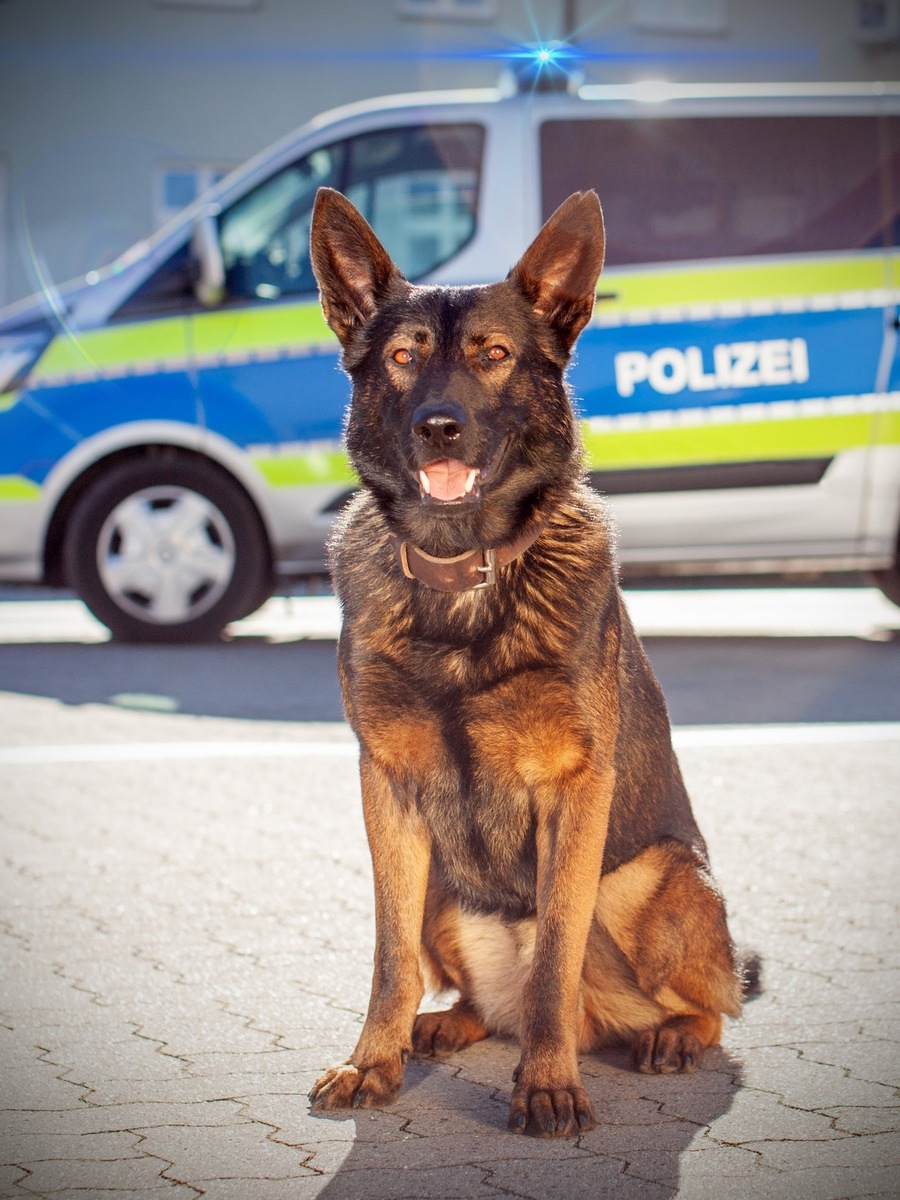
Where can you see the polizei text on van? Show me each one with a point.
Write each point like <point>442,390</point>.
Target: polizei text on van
<point>729,365</point>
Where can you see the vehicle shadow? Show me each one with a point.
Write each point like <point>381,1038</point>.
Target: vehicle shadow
<point>745,680</point>
<point>447,1135</point>
<point>707,681</point>
<point>246,679</point>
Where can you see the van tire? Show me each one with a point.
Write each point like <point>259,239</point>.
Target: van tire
<point>889,582</point>
<point>167,550</point>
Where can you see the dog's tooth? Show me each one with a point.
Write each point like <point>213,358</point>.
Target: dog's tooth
<point>470,481</point>
<point>425,483</point>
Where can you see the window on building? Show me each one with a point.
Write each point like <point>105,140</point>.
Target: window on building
<point>177,185</point>
<point>448,10</point>
<point>248,5</point>
<point>681,16</point>
<point>691,188</point>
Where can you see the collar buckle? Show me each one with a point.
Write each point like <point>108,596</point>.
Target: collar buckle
<point>488,569</point>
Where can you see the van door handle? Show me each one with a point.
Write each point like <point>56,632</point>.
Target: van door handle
<point>607,296</point>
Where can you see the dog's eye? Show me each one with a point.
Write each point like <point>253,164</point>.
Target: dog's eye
<point>402,356</point>
<point>497,353</point>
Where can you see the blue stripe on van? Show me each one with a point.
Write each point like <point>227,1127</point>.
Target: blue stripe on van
<point>842,348</point>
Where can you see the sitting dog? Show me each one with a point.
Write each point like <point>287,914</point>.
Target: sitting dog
<point>532,842</point>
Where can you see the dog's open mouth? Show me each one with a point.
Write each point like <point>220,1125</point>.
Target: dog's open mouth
<point>449,481</point>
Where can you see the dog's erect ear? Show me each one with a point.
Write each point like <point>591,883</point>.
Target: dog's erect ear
<point>558,272</point>
<point>354,271</point>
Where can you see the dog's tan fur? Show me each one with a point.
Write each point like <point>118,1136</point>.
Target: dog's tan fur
<point>531,838</point>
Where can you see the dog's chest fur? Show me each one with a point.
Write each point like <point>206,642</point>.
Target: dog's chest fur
<point>480,706</point>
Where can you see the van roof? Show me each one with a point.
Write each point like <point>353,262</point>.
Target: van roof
<point>660,90</point>
<point>643,91</point>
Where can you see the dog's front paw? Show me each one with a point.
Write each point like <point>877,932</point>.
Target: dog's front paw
<point>550,1112</point>
<point>349,1086</point>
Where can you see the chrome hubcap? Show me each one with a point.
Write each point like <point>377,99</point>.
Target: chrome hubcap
<point>166,555</point>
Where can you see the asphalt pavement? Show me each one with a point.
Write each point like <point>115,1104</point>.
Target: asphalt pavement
<point>186,922</point>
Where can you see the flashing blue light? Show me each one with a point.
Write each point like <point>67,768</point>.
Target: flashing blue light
<point>544,67</point>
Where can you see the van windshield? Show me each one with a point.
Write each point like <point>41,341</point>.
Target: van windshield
<point>677,188</point>
<point>417,186</point>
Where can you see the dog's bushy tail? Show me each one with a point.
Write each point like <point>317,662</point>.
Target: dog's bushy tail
<point>750,973</point>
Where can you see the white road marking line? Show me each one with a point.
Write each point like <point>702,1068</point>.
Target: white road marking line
<point>826,733</point>
<point>684,737</point>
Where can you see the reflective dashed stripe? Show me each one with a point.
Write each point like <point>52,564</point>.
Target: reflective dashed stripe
<point>170,366</point>
<point>732,414</point>
<point>615,317</point>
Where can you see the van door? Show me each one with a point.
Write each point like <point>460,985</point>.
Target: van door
<point>730,386</point>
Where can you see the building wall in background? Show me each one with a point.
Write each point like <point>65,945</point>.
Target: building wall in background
<point>110,108</point>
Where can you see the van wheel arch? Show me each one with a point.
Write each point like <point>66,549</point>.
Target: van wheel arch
<point>191,471</point>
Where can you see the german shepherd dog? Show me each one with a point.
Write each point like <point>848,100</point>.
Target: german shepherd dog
<point>533,846</point>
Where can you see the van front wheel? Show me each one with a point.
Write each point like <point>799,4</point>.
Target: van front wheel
<point>167,550</point>
<point>889,580</point>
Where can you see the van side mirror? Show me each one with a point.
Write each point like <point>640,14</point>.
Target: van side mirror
<point>209,287</point>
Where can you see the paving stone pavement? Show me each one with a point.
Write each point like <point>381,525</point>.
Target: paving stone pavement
<point>186,943</point>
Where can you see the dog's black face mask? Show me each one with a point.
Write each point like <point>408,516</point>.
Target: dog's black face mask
<point>461,425</point>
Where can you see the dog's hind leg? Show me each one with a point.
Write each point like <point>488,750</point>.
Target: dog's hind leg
<point>445,962</point>
<point>436,1033</point>
<point>664,913</point>
<point>677,1045</point>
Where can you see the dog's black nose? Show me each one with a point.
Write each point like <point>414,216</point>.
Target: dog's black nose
<point>438,425</point>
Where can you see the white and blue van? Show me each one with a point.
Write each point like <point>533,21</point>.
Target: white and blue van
<point>170,427</point>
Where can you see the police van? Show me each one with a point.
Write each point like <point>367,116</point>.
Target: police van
<point>170,427</point>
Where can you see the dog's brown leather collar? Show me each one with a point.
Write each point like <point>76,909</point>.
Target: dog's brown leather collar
<point>465,572</point>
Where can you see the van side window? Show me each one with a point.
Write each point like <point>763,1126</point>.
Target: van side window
<point>418,189</point>
<point>677,188</point>
<point>265,234</point>
<point>264,238</point>
<point>417,186</point>
<point>167,292</point>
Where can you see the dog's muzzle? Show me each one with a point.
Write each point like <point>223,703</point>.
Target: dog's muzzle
<point>451,481</point>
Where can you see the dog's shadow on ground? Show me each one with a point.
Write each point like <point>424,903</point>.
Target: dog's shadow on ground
<point>446,1136</point>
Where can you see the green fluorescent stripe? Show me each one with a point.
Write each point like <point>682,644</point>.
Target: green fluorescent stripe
<point>660,287</point>
<point>887,429</point>
<point>750,441</point>
<point>202,335</point>
<point>116,345</point>
<point>744,441</point>
<point>261,326</point>
<point>16,489</point>
<point>317,466</point>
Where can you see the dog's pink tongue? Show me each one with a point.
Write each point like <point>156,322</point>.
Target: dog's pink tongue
<point>446,479</point>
